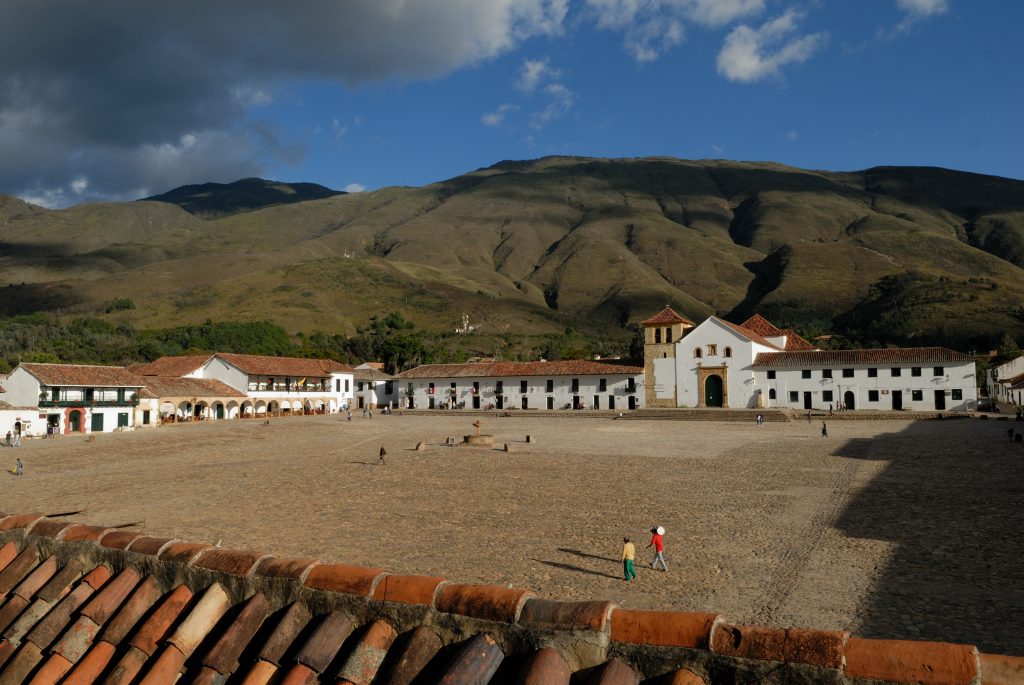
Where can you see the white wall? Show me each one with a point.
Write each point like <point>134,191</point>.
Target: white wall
<point>536,391</point>
<point>1005,371</point>
<point>220,370</point>
<point>740,377</point>
<point>22,389</point>
<point>954,377</point>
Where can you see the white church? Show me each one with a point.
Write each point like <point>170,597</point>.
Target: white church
<point>758,365</point>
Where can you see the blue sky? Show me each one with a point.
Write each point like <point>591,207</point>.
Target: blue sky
<point>370,93</point>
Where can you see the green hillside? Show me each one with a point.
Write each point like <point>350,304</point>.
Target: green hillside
<point>888,255</point>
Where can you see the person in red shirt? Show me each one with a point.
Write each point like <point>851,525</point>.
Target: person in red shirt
<point>658,542</point>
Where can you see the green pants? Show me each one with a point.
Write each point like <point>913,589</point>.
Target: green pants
<point>627,569</point>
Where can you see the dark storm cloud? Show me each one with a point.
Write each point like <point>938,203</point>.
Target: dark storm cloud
<point>114,98</point>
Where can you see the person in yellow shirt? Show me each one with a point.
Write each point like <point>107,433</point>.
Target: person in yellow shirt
<point>628,555</point>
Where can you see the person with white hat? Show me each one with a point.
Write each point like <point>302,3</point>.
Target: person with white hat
<point>658,541</point>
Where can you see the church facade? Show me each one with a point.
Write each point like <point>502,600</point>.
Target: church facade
<point>719,364</point>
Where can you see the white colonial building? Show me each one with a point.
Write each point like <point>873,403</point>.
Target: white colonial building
<point>374,387</point>
<point>225,385</point>
<point>570,384</point>
<point>756,365</point>
<point>70,398</point>
<point>1005,380</point>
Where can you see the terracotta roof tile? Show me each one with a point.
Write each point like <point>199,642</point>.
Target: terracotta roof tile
<point>18,568</point>
<point>83,375</point>
<point>476,661</point>
<point>143,598</point>
<point>159,623</point>
<point>794,343</point>
<point>762,326</point>
<point>79,634</point>
<point>323,645</point>
<point>290,625</point>
<point>169,386</point>
<point>900,355</point>
<point>257,365</point>
<point>574,367</point>
<point>749,334</point>
<point>362,664</point>
<point>223,656</point>
<point>171,366</point>
<point>666,317</point>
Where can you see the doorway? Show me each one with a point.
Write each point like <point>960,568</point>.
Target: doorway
<point>551,402</point>
<point>97,423</point>
<point>597,401</point>
<point>807,399</point>
<point>897,400</point>
<point>526,402</point>
<point>632,402</point>
<point>499,401</point>
<point>476,401</point>
<point>75,421</point>
<point>713,391</point>
<point>848,400</point>
<point>940,399</point>
<point>611,401</point>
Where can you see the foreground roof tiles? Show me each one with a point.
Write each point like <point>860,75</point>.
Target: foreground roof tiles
<point>666,317</point>
<point>258,365</point>
<point>572,367</point>
<point>82,375</point>
<point>897,355</point>
<point>208,615</point>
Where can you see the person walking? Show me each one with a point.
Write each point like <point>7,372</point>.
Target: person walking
<point>658,541</point>
<point>383,454</point>
<point>628,555</point>
<point>824,430</point>
<point>19,467</point>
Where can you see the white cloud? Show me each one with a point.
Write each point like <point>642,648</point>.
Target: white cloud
<point>749,54</point>
<point>497,117</point>
<point>653,27</point>
<point>791,136</point>
<point>533,72</point>
<point>717,149</point>
<point>79,185</point>
<point>248,96</point>
<point>913,12</point>
<point>355,188</point>
<point>923,8</point>
<point>562,100</point>
<point>127,113</point>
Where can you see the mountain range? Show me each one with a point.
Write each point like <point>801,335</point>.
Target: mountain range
<point>909,255</point>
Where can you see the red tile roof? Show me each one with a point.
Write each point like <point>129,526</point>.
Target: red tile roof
<point>794,343</point>
<point>666,316</point>
<point>81,375</point>
<point>573,367</point>
<point>1013,379</point>
<point>762,326</point>
<point>166,614</point>
<point>171,366</point>
<point>257,365</point>
<point>173,386</point>
<point>896,355</point>
<point>766,329</point>
<point>749,334</point>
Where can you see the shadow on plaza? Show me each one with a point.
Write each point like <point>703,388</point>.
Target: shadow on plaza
<point>956,517</point>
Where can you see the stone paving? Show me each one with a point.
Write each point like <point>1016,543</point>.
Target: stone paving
<point>905,529</point>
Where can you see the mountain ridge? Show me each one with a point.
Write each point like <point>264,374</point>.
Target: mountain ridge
<point>884,255</point>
